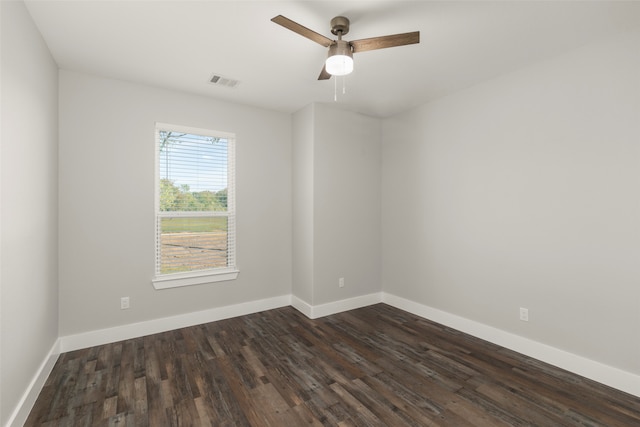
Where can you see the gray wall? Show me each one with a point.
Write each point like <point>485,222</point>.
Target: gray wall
<point>336,193</point>
<point>29,205</point>
<point>302,193</point>
<point>347,176</point>
<point>523,192</point>
<point>106,202</point>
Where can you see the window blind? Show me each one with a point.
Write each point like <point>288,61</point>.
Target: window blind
<point>195,200</point>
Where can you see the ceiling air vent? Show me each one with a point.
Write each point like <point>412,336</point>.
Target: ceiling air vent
<point>219,80</point>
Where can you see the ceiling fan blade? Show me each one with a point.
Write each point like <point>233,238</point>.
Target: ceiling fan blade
<point>385,41</point>
<point>323,74</point>
<point>303,31</point>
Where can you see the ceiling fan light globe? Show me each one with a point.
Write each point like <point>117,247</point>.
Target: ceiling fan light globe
<point>339,65</point>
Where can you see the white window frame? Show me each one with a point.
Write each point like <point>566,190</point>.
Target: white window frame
<point>173,280</point>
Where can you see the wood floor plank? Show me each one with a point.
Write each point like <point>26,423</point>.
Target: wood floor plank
<point>109,407</point>
<point>374,366</point>
<point>359,412</point>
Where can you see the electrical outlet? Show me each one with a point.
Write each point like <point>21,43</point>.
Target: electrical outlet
<point>341,282</point>
<point>524,314</point>
<point>124,303</point>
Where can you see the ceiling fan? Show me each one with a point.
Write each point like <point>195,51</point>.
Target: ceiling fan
<point>340,56</point>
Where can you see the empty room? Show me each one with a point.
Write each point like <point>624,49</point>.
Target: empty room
<point>356,213</point>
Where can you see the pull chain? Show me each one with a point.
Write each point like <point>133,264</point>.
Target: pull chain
<point>335,87</point>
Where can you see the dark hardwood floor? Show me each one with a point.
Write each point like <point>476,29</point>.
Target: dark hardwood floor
<point>375,366</point>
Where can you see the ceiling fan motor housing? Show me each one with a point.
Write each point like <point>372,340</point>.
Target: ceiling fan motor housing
<point>340,47</point>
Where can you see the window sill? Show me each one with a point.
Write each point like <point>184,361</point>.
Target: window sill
<point>196,278</point>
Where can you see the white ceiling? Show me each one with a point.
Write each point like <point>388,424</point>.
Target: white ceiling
<point>181,44</point>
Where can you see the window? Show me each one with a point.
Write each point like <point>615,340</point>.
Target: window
<point>195,206</point>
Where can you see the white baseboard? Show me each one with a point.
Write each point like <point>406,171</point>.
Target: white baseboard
<point>302,306</point>
<point>608,375</point>
<point>316,311</point>
<point>28,399</point>
<point>134,330</point>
